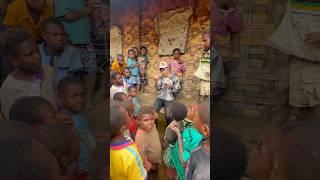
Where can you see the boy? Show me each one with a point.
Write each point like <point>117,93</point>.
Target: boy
<point>24,158</point>
<point>203,71</point>
<point>199,162</point>
<point>29,77</point>
<point>35,111</point>
<point>28,14</point>
<point>117,84</point>
<point>119,65</point>
<point>133,65</point>
<point>125,160</point>
<point>55,52</point>
<point>63,144</point>
<point>132,94</point>
<point>128,80</point>
<point>168,85</point>
<point>143,60</point>
<point>72,97</point>
<point>75,15</point>
<point>148,141</point>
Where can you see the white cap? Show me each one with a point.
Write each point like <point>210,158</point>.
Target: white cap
<point>163,65</point>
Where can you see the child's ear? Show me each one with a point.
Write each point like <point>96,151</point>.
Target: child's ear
<point>206,130</point>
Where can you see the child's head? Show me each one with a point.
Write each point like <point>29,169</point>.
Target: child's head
<point>164,68</point>
<point>143,50</point>
<point>19,47</point>
<point>131,54</point>
<point>53,34</point>
<point>176,53</point>
<point>202,118</point>
<point>136,51</point>
<point>116,79</point>
<point>71,94</point>
<point>120,96</point>
<point>179,111</point>
<point>146,118</point>
<point>229,155</point>
<point>33,110</point>
<point>119,120</point>
<point>37,5</point>
<point>24,158</point>
<point>291,152</point>
<point>127,105</point>
<point>126,72</point>
<point>99,162</point>
<point>132,91</point>
<point>62,142</point>
<point>120,59</point>
<point>206,39</point>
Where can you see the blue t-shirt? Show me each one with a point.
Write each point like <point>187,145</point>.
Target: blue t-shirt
<point>79,31</point>
<point>87,140</point>
<point>131,81</point>
<point>136,106</point>
<point>133,69</point>
<point>68,62</point>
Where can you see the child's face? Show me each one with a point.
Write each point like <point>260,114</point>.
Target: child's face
<point>197,123</point>
<point>135,51</point>
<point>206,41</point>
<point>176,54</point>
<point>132,55</point>
<point>120,60</point>
<point>133,92</point>
<point>146,122</point>
<point>73,97</point>
<point>143,51</point>
<point>118,81</point>
<point>37,5</point>
<point>55,37</point>
<point>126,73</point>
<point>164,71</point>
<point>28,57</point>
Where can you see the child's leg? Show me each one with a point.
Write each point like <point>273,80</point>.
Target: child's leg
<point>168,111</point>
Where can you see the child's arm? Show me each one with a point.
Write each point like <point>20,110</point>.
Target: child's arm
<point>62,9</point>
<point>190,168</point>
<point>175,128</point>
<point>142,150</point>
<point>183,68</point>
<point>136,171</point>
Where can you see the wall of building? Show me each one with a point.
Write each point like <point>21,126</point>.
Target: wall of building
<point>139,29</point>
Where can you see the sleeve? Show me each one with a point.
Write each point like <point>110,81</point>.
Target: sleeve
<point>130,64</point>
<point>11,18</point>
<point>234,22</point>
<point>62,7</point>
<point>113,66</point>
<point>183,68</point>
<point>190,168</point>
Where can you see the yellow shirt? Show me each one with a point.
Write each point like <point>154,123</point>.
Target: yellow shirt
<point>125,162</point>
<point>18,16</point>
<point>116,67</point>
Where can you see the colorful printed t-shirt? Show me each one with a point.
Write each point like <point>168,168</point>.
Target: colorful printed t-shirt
<point>126,162</point>
<point>133,69</point>
<point>204,66</point>
<point>165,92</point>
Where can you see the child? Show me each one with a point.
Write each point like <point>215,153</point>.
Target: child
<point>55,52</point>
<point>120,96</point>
<point>29,77</point>
<point>203,71</point>
<point>117,84</point>
<point>168,85</point>
<point>72,97</point>
<point>39,112</point>
<point>148,141</point>
<point>29,15</point>
<point>136,51</point>
<point>187,141</point>
<point>183,117</point>
<point>227,20</point>
<point>76,19</point>
<point>143,61</point>
<point>133,65</point>
<point>125,160</point>
<point>63,144</point>
<point>199,163</point>
<point>176,65</point>
<point>132,94</point>
<point>128,80</point>
<point>24,158</point>
<point>119,65</point>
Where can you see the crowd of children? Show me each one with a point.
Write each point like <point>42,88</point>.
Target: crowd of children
<point>49,57</point>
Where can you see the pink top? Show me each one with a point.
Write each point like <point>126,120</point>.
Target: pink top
<point>175,67</point>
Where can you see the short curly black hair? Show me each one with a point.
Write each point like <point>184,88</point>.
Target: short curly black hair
<point>179,111</point>
<point>117,119</point>
<point>119,96</point>
<point>229,156</point>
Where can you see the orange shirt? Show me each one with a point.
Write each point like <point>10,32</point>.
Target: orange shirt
<point>116,67</point>
<point>19,16</point>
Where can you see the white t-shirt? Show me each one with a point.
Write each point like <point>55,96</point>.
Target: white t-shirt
<point>114,89</point>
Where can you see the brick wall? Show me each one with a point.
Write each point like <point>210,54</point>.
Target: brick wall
<point>257,86</point>
<point>137,24</point>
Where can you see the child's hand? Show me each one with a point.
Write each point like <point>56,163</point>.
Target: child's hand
<point>313,38</point>
<point>155,77</point>
<point>174,127</point>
